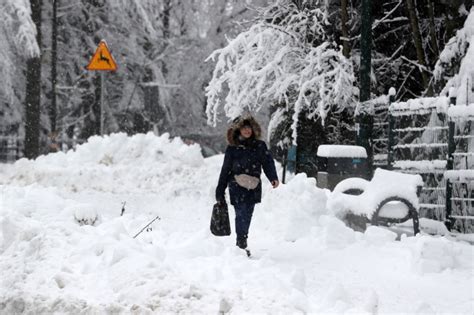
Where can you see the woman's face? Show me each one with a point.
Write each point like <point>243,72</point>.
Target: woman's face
<point>246,132</point>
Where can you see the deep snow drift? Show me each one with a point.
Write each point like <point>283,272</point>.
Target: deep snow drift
<point>306,260</point>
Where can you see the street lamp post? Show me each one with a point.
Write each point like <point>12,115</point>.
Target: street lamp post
<point>364,119</point>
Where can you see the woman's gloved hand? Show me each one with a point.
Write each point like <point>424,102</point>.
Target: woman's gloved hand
<point>275,183</point>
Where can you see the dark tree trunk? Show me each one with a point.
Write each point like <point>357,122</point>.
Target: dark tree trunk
<point>54,60</point>
<point>365,51</point>
<point>453,20</point>
<point>33,90</point>
<point>346,48</point>
<point>166,31</point>
<point>433,38</point>
<point>365,121</point>
<point>420,53</point>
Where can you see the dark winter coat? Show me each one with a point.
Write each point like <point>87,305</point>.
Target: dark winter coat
<point>244,156</point>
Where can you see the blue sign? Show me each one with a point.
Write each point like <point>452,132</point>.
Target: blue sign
<point>291,154</point>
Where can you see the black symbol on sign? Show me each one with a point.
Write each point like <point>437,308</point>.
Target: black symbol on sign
<point>102,58</point>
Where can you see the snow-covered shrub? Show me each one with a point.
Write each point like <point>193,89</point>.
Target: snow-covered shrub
<point>299,220</point>
<point>454,69</point>
<point>85,214</point>
<point>433,255</point>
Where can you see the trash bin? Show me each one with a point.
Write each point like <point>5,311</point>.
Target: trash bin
<point>338,162</point>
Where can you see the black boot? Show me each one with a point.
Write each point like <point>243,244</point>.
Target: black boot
<point>242,243</point>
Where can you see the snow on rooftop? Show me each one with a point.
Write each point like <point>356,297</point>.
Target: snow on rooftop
<point>333,150</point>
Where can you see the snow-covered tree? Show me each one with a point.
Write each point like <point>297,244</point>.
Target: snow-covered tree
<point>17,43</point>
<point>285,58</point>
<point>33,90</point>
<point>454,67</point>
<point>291,51</point>
<point>159,48</point>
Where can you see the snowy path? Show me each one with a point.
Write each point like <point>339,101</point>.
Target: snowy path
<point>306,261</point>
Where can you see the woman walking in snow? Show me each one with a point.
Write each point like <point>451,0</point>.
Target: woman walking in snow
<point>244,159</point>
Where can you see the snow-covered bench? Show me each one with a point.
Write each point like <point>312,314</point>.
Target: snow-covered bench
<point>390,197</point>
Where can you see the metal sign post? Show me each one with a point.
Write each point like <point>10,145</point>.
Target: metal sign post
<point>102,103</point>
<point>102,60</point>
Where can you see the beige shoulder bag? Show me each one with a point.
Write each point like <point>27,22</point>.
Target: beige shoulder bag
<point>247,181</point>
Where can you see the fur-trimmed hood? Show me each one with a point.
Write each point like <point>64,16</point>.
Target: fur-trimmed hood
<point>233,131</point>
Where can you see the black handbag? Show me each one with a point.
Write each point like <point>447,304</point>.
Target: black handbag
<point>220,225</point>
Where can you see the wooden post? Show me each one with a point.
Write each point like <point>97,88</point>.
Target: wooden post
<point>450,164</point>
<point>391,126</point>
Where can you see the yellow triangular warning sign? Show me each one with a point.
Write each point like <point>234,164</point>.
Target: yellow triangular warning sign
<point>102,59</point>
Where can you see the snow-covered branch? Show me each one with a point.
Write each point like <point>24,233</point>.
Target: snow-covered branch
<point>23,26</point>
<point>451,56</point>
<point>267,64</point>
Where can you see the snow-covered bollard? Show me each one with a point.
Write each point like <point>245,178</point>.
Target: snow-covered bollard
<point>392,91</point>
<point>224,306</point>
<point>85,214</point>
<point>431,255</point>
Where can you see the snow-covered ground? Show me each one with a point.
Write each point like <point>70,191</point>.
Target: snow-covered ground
<point>305,260</point>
